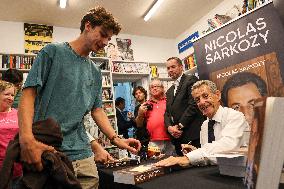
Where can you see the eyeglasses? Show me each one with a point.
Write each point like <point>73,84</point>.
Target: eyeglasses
<point>155,86</point>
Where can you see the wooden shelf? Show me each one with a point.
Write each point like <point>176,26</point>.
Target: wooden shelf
<point>157,64</point>
<point>128,77</point>
<point>17,54</point>
<point>110,115</point>
<point>101,58</point>
<point>105,72</point>
<point>129,61</point>
<point>105,101</point>
<point>106,87</point>
<point>23,70</point>
<point>165,78</point>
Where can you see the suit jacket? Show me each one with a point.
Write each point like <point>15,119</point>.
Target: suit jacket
<point>181,108</point>
<point>122,124</point>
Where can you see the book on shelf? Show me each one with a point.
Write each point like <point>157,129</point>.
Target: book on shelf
<point>107,94</point>
<point>142,68</point>
<point>106,80</point>
<point>116,67</point>
<point>266,154</point>
<point>16,61</point>
<point>103,64</point>
<point>108,108</point>
<point>130,67</point>
<point>154,71</point>
<point>99,53</point>
<point>138,174</point>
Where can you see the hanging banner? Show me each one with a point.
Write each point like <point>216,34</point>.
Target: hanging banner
<point>187,43</point>
<point>36,37</point>
<point>246,60</point>
<point>253,43</point>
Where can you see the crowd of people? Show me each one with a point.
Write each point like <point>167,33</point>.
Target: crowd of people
<point>64,85</point>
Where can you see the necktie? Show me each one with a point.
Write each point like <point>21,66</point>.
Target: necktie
<point>211,136</point>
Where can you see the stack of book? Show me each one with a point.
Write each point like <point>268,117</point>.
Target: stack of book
<point>138,174</point>
<point>232,163</point>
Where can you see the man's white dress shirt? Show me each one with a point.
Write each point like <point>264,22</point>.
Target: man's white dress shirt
<point>228,130</point>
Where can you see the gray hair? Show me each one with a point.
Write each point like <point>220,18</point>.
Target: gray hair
<point>210,84</point>
<point>158,80</point>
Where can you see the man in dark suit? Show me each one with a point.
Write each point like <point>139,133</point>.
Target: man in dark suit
<point>182,117</point>
<point>122,124</point>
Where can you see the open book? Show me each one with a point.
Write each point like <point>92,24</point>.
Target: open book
<point>266,154</point>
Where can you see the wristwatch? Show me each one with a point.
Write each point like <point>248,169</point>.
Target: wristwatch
<point>113,138</point>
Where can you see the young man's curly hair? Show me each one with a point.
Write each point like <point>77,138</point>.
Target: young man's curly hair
<point>98,16</point>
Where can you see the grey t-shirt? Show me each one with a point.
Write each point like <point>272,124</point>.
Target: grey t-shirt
<point>67,86</point>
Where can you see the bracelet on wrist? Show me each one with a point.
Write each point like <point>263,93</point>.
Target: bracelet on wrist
<point>113,138</point>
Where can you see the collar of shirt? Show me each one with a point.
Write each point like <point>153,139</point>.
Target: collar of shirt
<point>118,109</point>
<point>156,101</point>
<point>176,83</point>
<point>218,115</point>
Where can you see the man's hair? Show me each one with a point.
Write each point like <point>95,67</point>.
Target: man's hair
<point>13,76</point>
<point>5,85</point>
<point>176,59</point>
<point>119,100</point>
<point>212,86</point>
<point>99,16</point>
<point>240,79</point>
<point>140,88</point>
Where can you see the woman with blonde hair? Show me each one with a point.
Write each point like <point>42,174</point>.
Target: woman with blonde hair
<point>8,121</point>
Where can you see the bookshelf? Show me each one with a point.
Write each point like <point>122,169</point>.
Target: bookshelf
<point>129,71</point>
<point>108,103</point>
<point>159,70</point>
<point>22,62</point>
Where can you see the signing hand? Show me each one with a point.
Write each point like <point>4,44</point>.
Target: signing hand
<point>182,161</point>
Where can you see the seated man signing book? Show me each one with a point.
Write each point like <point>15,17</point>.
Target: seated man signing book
<point>222,131</point>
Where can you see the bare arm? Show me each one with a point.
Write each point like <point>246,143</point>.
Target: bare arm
<point>31,149</point>
<point>141,116</point>
<point>101,155</point>
<point>102,121</point>
<point>26,113</point>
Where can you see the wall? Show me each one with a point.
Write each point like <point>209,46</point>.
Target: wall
<point>145,48</point>
<point>201,25</point>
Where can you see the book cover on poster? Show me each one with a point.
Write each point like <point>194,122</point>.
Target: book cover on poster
<point>265,154</point>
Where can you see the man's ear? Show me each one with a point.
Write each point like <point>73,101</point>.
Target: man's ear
<point>88,26</point>
<point>218,94</point>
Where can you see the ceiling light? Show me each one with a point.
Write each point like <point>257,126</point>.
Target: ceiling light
<point>152,10</point>
<point>62,4</point>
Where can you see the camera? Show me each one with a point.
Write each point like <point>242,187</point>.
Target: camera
<point>180,127</point>
<point>149,106</point>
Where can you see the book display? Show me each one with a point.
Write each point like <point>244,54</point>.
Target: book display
<point>129,71</point>
<point>23,62</point>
